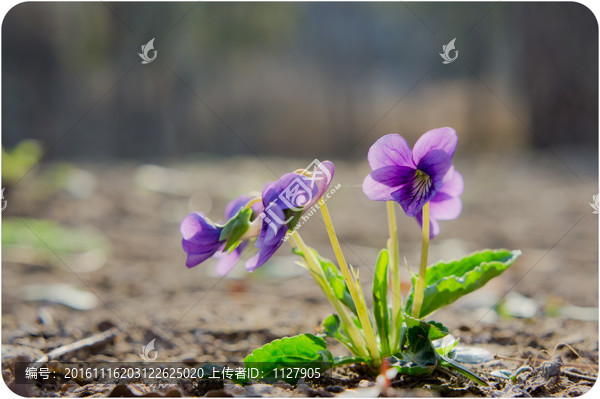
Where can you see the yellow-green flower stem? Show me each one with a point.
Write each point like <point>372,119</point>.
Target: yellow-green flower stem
<point>395,272</point>
<point>420,286</point>
<point>358,340</point>
<point>355,292</point>
<point>252,202</point>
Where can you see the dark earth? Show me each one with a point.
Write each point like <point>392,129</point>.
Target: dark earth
<point>530,201</point>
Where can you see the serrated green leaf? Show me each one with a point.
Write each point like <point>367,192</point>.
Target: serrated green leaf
<point>380,304</point>
<point>447,281</point>
<point>235,228</point>
<point>437,330</point>
<point>304,351</point>
<point>420,349</point>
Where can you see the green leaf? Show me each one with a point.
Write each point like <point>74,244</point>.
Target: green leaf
<point>446,346</point>
<point>420,349</point>
<point>235,228</point>
<point>447,281</point>
<point>437,330</point>
<point>334,328</point>
<point>17,162</point>
<point>380,305</point>
<point>337,283</point>
<point>302,352</point>
<point>331,326</point>
<point>449,363</point>
<point>405,365</point>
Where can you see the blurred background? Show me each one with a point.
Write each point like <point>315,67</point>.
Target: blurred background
<point>299,79</point>
<point>102,157</point>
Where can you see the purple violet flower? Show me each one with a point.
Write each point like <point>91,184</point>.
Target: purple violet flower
<point>201,237</point>
<point>284,201</point>
<point>227,260</point>
<point>413,178</point>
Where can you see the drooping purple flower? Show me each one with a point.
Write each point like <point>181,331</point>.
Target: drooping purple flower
<point>284,200</point>
<point>228,259</point>
<point>414,177</point>
<point>201,237</point>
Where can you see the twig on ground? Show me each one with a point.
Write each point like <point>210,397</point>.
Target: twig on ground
<point>537,361</point>
<point>98,339</point>
<point>583,377</point>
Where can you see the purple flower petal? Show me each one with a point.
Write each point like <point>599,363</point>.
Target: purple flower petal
<point>291,191</point>
<point>200,238</point>
<point>454,186</point>
<point>197,247</point>
<point>228,260</point>
<point>435,164</point>
<point>234,206</point>
<point>424,183</point>
<point>444,139</point>
<point>377,191</point>
<point>381,183</point>
<point>444,207</point>
<point>272,190</point>
<point>322,176</point>
<point>270,238</point>
<point>199,235</point>
<point>195,226</point>
<point>389,150</point>
<point>194,260</point>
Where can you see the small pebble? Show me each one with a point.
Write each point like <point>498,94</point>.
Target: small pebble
<point>235,390</point>
<point>105,325</point>
<point>217,393</point>
<point>302,389</point>
<point>283,385</point>
<point>335,388</point>
<point>365,384</point>
<point>260,389</point>
<point>551,368</point>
